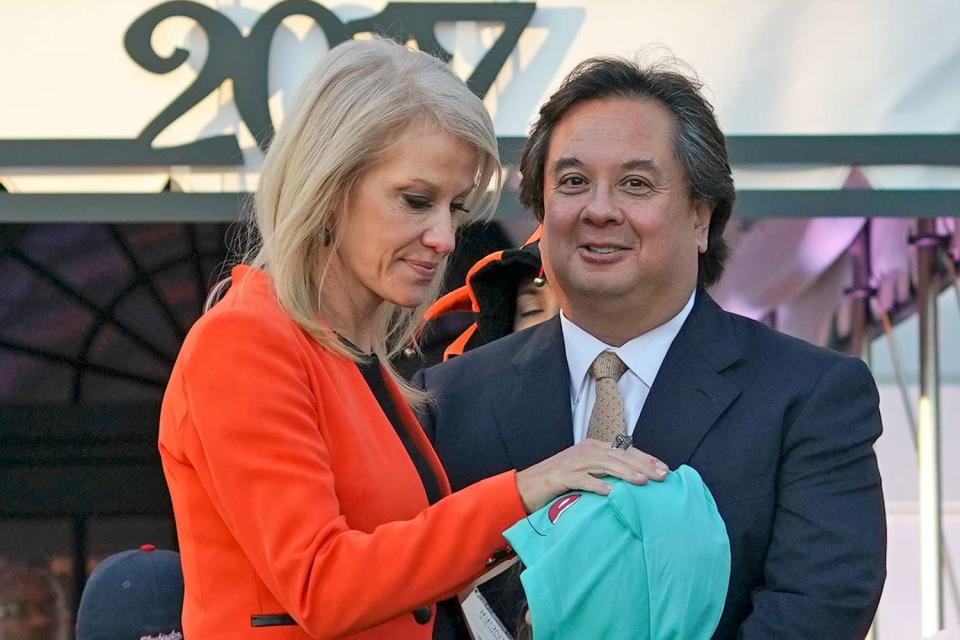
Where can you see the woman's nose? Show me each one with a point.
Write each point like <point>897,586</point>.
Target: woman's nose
<point>441,235</point>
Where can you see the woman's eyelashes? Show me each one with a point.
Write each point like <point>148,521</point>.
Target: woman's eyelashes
<point>423,203</point>
<point>416,202</point>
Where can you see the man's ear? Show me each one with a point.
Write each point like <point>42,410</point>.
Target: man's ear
<point>703,212</point>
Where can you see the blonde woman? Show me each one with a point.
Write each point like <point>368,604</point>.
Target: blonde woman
<point>309,503</point>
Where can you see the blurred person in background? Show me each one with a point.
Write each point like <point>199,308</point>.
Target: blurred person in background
<point>308,501</point>
<point>474,242</point>
<point>32,605</point>
<point>536,303</point>
<point>505,291</point>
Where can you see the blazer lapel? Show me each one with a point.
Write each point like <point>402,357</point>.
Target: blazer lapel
<point>534,414</point>
<point>690,393</point>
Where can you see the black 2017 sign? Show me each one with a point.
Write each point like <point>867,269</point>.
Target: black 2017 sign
<point>244,60</point>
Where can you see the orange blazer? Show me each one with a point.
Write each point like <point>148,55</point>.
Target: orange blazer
<point>299,513</point>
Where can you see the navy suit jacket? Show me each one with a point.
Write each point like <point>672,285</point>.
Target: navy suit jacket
<point>781,431</point>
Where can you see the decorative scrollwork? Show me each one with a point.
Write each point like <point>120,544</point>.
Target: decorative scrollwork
<point>404,21</point>
<point>245,60</point>
<point>251,95</point>
<point>226,48</point>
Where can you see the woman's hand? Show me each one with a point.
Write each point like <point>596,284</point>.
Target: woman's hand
<point>580,466</point>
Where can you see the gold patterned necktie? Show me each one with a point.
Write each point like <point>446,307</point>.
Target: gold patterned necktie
<point>606,419</point>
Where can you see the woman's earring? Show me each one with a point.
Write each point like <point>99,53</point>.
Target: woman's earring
<point>325,237</point>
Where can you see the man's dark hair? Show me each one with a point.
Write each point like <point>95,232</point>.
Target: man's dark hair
<point>698,142</point>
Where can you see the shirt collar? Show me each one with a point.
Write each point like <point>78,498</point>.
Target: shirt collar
<point>643,355</point>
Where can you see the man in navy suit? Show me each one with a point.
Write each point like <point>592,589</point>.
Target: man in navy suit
<point>627,170</point>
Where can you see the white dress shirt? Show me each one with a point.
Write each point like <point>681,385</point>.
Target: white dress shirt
<point>643,356</point>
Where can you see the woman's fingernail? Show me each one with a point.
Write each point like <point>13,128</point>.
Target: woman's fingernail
<point>662,466</point>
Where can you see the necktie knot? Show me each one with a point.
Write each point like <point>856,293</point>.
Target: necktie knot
<point>607,365</point>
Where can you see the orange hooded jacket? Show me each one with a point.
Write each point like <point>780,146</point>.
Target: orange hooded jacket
<point>490,279</point>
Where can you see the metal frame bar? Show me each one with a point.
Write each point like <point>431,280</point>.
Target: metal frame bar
<point>757,150</point>
<point>173,207</point>
<point>928,431</point>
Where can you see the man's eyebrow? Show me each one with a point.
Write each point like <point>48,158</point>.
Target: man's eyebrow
<point>647,164</point>
<point>566,162</point>
<point>636,164</point>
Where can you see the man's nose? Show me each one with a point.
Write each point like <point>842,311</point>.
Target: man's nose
<point>602,208</point>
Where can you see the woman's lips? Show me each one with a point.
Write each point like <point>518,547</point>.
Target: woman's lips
<point>426,270</point>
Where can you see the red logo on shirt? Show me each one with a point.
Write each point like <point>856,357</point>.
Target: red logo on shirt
<point>561,505</point>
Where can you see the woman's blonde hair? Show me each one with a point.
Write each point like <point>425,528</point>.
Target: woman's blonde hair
<point>352,106</point>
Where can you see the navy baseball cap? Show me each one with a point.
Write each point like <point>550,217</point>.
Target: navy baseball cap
<point>133,595</point>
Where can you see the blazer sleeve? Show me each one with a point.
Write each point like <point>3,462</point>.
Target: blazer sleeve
<point>826,563</point>
<point>255,438</point>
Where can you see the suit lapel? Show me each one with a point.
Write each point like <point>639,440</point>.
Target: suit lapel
<point>690,392</point>
<point>534,415</point>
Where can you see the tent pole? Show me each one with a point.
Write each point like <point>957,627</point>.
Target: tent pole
<point>952,274</point>
<point>860,293</point>
<point>900,375</point>
<point>912,424</point>
<point>927,243</point>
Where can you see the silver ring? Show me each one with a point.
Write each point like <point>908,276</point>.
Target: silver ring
<point>622,441</point>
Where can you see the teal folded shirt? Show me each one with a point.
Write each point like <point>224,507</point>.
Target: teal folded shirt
<point>648,562</point>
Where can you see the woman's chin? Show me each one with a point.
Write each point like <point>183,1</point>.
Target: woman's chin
<point>407,299</point>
